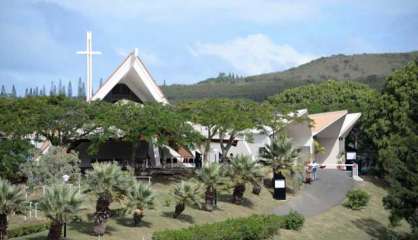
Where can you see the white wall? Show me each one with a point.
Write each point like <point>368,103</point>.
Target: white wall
<point>329,139</point>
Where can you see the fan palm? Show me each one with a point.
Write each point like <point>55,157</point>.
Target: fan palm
<point>211,176</point>
<point>108,182</point>
<point>140,196</point>
<point>186,193</point>
<point>281,155</point>
<point>243,170</point>
<point>59,204</point>
<point>11,200</point>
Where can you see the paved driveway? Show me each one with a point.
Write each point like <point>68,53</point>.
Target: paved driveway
<point>326,192</point>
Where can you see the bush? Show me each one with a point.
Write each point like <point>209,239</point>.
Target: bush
<point>255,227</point>
<point>294,221</point>
<point>356,199</point>
<point>26,229</point>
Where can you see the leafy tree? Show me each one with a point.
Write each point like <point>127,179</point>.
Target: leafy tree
<point>223,118</point>
<point>61,120</point>
<point>11,200</point>
<point>59,204</point>
<point>13,153</point>
<point>151,122</point>
<point>243,170</point>
<point>212,177</point>
<point>52,166</point>
<point>326,96</point>
<point>185,193</point>
<point>108,182</point>
<point>393,126</point>
<point>140,197</point>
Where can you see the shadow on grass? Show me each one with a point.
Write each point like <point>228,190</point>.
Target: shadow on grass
<point>228,198</point>
<point>183,217</point>
<point>128,222</point>
<point>87,228</point>
<point>373,228</point>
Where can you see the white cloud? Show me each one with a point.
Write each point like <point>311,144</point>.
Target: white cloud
<point>253,54</point>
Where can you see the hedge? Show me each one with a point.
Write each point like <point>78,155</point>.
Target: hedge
<point>26,229</point>
<point>255,227</point>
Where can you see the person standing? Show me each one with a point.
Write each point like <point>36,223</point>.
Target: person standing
<point>314,170</point>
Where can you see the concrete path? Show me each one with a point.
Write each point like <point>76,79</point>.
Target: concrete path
<point>326,192</point>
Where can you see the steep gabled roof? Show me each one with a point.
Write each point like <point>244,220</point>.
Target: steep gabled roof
<point>323,120</point>
<point>349,122</point>
<point>133,73</point>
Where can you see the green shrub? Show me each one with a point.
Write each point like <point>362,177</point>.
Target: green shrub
<point>26,229</point>
<point>356,199</point>
<point>294,221</point>
<point>255,227</point>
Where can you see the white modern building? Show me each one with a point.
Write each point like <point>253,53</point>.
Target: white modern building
<point>330,129</point>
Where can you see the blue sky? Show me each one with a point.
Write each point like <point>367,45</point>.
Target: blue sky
<point>183,41</point>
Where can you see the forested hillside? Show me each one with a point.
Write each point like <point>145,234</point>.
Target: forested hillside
<point>370,69</point>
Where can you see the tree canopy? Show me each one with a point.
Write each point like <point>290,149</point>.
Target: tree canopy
<point>392,124</point>
<point>222,118</point>
<point>326,96</point>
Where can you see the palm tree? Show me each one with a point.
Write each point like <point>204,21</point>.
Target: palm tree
<point>140,196</point>
<point>281,155</point>
<point>11,200</point>
<point>59,204</point>
<point>211,176</point>
<point>108,182</point>
<point>186,193</point>
<point>243,170</point>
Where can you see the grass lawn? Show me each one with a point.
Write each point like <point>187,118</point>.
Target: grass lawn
<point>345,224</point>
<point>337,223</point>
<point>160,217</point>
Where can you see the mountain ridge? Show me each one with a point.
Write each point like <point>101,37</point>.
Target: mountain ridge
<point>368,68</point>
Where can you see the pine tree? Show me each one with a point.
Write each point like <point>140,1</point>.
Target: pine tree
<point>79,88</point>
<point>69,90</point>
<point>3,91</point>
<point>51,89</point>
<point>14,94</point>
<point>59,87</point>
<point>83,90</point>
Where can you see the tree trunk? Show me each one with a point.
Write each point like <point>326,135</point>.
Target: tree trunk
<point>238,193</point>
<point>3,226</point>
<point>179,209</point>
<point>209,199</point>
<point>137,216</point>
<point>102,211</point>
<point>132,162</point>
<point>226,147</point>
<point>256,189</point>
<point>55,231</point>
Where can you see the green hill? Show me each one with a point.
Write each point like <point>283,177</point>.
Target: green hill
<point>370,69</point>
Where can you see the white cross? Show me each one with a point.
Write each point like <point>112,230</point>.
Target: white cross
<point>89,53</point>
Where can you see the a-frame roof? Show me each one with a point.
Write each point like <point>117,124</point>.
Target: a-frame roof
<point>133,73</point>
<point>323,120</point>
